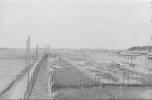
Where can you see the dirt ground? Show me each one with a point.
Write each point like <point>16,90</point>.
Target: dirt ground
<point>105,93</point>
<point>69,76</point>
<point>74,69</point>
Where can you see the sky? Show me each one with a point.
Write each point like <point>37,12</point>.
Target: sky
<point>114,24</point>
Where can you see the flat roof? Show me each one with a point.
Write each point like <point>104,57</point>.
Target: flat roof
<point>132,53</point>
<point>127,54</point>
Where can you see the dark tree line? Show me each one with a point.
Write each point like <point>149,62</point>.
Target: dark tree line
<point>140,48</point>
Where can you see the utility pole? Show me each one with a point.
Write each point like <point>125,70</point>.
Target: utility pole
<point>151,44</point>
<point>28,62</point>
<point>28,54</point>
<point>26,65</point>
<point>51,72</point>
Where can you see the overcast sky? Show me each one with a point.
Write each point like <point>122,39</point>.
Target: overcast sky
<point>75,23</point>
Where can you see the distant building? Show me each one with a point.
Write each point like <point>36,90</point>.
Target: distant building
<point>135,58</point>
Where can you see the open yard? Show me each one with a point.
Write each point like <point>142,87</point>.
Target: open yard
<point>82,75</point>
<point>69,76</point>
<point>104,93</point>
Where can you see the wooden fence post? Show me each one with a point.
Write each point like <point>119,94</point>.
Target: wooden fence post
<point>108,75</point>
<point>128,78</point>
<point>114,78</point>
<point>136,77</point>
<point>123,78</point>
<point>80,80</point>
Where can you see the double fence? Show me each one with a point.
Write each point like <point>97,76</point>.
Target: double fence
<point>31,76</point>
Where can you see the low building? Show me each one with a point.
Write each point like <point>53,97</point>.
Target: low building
<point>135,58</point>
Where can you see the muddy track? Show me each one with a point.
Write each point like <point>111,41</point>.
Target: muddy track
<point>15,81</point>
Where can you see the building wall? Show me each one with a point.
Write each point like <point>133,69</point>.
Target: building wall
<point>137,60</point>
<point>141,60</point>
<point>150,63</point>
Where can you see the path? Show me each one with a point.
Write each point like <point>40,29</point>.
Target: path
<point>40,89</point>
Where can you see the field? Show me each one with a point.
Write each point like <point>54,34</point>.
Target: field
<point>86,75</point>
<point>12,63</point>
<point>69,76</point>
<point>80,75</point>
<point>104,93</point>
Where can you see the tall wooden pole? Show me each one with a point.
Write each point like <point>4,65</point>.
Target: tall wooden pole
<point>28,63</point>
<point>28,55</point>
<point>151,47</point>
<point>28,51</point>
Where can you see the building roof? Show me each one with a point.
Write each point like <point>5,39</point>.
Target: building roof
<point>130,54</point>
<point>133,53</point>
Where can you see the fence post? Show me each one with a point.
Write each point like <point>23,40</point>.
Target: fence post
<point>128,78</point>
<point>108,75</point>
<point>114,78</point>
<point>123,78</point>
<point>149,77</point>
<point>64,82</point>
<point>136,77</point>
<point>67,84</point>
<point>27,62</point>
<point>142,78</point>
<point>28,56</point>
<point>80,80</point>
<point>95,78</point>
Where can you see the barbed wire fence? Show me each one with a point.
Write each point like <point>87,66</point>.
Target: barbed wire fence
<point>32,69</point>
